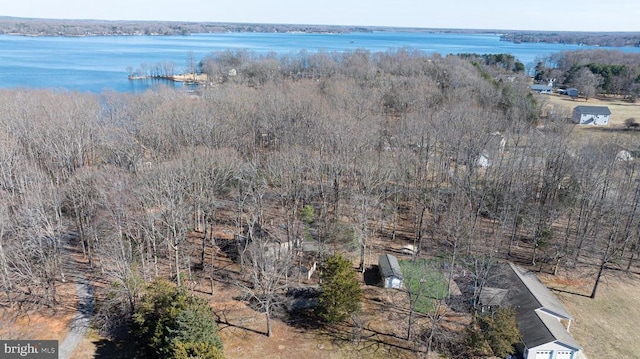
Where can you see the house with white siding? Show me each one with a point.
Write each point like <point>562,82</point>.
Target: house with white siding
<point>591,115</point>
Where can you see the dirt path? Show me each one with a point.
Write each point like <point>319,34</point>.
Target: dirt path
<point>82,317</point>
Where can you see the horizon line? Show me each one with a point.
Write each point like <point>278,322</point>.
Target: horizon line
<point>488,30</point>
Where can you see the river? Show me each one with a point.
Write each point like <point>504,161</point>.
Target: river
<point>95,64</point>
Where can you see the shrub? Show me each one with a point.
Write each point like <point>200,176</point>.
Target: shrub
<point>630,123</point>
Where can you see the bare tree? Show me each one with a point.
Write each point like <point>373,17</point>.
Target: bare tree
<point>165,199</point>
<point>268,265</point>
<point>586,82</point>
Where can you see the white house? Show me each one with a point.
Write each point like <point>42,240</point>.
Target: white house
<point>390,271</point>
<point>542,320</point>
<point>591,115</point>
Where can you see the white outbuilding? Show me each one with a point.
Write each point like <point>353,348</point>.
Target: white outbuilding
<point>390,271</point>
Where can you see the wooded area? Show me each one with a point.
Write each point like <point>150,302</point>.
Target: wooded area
<point>593,72</point>
<point>612,39</point>
<point>66,27</point>
<point>452,155</point>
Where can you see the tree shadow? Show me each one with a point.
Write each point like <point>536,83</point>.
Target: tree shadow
<point>372,276</point>
<point>570,292</point>
<point>609,129</point>
<point>115,349</point>
<point>305,319</point>
<point>365,339</point>
<point>224,322</point>
<point>119,346</point>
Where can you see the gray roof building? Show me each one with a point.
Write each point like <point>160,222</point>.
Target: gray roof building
<point>389,266</point>
<point>541,88</point>
<point>591,115</point>
<point>390,271</point>
<point>539,313</point>
<point>592,110</point>
<point>538,295</point>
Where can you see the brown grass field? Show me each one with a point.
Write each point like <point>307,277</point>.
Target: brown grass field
<point>620,109</point>
<point>604,326</point>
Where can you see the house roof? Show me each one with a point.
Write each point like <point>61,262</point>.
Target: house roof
<point>492,296</point>
<point>557,330</point>
<point>389,266</point>
<point>538,311</point>
<point>592,110</point>
<point>541,87</point>
<point>538,328</point>
<point>540,294</point>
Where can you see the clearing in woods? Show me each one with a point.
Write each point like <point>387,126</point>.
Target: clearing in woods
<point>620,108</point>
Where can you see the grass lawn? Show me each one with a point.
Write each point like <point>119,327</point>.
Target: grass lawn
<point>620,109</point>
<point>615,132</point>
<point>424,279</point>
<point>604,326</point>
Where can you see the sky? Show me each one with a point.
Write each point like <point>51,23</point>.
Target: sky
<point>547,15</point>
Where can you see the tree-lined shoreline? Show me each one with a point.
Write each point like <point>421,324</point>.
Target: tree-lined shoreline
<point>77,28</point>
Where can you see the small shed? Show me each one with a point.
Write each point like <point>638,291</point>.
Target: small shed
<point>572,92</point>
<point>390,271</point>
<point>591,115</point>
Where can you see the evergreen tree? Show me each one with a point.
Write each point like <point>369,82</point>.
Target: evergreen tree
<point>500,331</point>
<point>341,293</point>
<point>172,324</point>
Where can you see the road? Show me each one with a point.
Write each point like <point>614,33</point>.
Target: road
<point>82,318</point>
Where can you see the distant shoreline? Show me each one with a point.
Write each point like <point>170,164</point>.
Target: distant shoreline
<point>85,28</point>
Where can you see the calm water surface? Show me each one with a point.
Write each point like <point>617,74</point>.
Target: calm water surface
<point>100,63</point>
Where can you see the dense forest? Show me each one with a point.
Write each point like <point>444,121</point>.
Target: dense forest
<point>451,155</point>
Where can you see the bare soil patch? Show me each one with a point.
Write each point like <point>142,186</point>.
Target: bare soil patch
<point>40,323</point>
<point>243,329</point>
